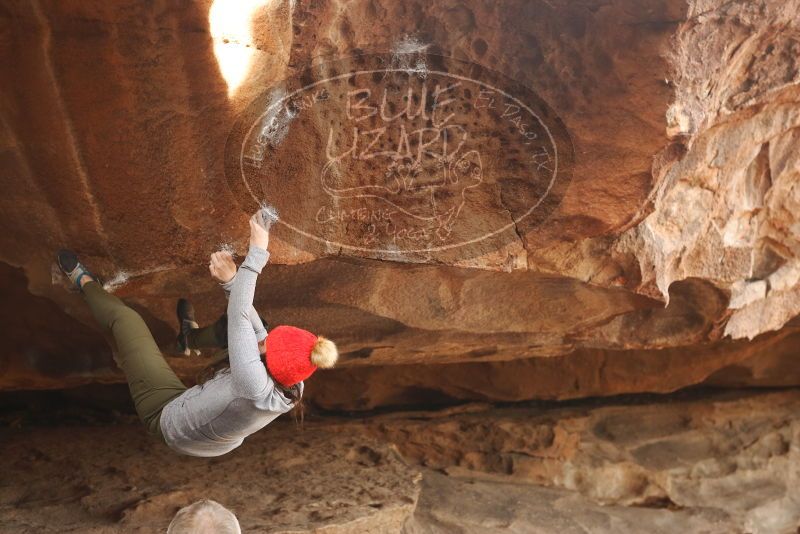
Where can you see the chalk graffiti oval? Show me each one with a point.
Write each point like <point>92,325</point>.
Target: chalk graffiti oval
<point>401,155</point>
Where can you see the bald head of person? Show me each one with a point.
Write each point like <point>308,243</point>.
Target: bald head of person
<point>204,517</point>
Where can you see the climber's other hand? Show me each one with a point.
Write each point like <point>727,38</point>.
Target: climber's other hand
<point>222,267</point>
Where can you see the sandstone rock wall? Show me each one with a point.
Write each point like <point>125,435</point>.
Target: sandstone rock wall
<point>683,120</point>
<point>727,209</point>
<point>733,458</point>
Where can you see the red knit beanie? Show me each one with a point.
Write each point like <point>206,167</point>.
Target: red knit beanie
<point>293,354</point>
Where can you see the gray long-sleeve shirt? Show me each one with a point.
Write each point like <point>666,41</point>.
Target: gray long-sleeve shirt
<point>212,419</point>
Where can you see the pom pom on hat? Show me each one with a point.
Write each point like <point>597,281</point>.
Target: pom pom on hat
<point>324,354</point>
<point>293,354</point>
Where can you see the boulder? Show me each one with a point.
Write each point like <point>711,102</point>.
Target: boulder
<point>621,209</point>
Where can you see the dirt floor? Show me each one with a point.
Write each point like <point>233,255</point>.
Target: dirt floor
<point>725,463</point>
<point>114,480</point>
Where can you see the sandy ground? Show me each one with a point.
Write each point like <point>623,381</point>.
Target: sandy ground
<point>722,463</point>
<point>115,479</point>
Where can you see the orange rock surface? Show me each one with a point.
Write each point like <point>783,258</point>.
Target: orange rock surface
<point>682,119</point>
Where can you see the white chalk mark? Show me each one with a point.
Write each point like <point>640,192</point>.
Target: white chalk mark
<point>227,247</point>
<point>123,277</point>
<point>407,55</point>
<point>273,126</point>
<point>268,214</point>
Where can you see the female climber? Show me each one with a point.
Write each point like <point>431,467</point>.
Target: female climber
<point>266,371</point>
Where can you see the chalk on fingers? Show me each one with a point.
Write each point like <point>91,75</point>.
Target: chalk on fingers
<point>267,215</point>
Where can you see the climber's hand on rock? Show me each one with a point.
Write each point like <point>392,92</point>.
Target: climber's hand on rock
<point>259,237</point>
<point>222,267</point>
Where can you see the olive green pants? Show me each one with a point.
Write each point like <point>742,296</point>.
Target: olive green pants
<point>151,380</point>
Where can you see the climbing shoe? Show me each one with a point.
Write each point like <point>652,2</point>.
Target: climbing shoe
<point>186,323</point>
<point>72,268</point>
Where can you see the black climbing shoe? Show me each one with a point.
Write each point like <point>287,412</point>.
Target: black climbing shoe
<point>186,323</point>
<point>72,268</point>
